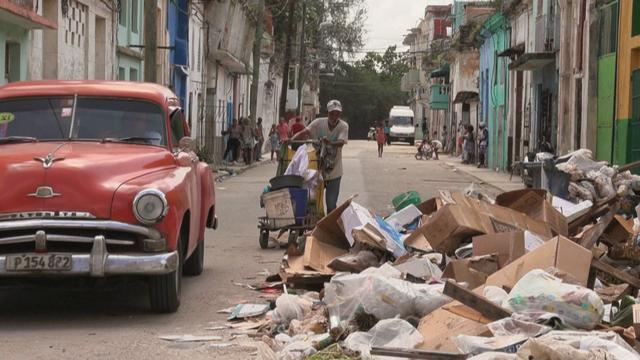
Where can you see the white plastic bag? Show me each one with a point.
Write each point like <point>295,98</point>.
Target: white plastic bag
<point>380,296</point>
<point>540,292</point>
<point>290,307</point>
<point>388,333</point>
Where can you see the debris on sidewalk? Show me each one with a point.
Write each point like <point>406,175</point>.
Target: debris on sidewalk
<point>191,338</point>
<point>527,274</point>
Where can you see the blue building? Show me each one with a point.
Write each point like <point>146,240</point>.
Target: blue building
<point>178,27</point>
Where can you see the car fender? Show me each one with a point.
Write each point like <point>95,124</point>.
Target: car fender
<point>175,184</point>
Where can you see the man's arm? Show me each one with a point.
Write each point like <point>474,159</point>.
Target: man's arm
<point>302,134</point>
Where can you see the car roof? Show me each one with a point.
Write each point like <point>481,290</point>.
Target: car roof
<point>124,89</point>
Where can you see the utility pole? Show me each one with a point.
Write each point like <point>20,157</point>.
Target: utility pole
<point>257,50</point>
<point>287,58</point>
<point>301,61</point>
<point>150,40</point>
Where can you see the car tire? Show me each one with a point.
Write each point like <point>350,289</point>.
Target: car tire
<point>164,290</point>
<point>411,142</point>
<point>194,265</point>
<point>264,239</point>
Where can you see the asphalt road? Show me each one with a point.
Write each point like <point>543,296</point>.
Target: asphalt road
<point>74,321</point>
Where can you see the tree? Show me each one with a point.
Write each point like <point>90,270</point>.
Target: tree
<point>367,88</point>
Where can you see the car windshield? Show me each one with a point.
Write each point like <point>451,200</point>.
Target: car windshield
<point>402,120</point>
<point>90,118</point>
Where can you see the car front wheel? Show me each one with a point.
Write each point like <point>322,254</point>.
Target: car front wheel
<point>164,290</point>
<point>195,263</point>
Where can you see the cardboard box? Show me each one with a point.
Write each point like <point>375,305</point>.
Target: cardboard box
<point>558,252</point>
<point>448,227</point>
<point>509,246</point>
<point>318,254</point>
<point>618,232</point>
<point>473,271</point>
<point>430,206</point>
<point>440,327</point>
<point>533,202</point>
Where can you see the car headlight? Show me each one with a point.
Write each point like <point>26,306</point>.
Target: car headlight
<point>150,206</point>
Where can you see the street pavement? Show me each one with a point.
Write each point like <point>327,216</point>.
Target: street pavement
<point>67,320</point>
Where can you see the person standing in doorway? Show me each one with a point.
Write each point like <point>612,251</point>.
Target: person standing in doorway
<point>380,137</point>
<point>468,145</point>
<point>259,139</point>
<point>334,133</point>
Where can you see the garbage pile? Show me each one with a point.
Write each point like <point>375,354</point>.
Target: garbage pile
<point>526,275</point>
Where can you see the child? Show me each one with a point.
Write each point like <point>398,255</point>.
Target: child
<point>274,141</point>
<point>380,138</point>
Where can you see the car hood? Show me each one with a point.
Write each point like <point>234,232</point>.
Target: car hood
<point>402,129</point>
<point>83,176</point>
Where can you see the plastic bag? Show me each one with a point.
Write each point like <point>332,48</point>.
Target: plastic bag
<point>539,291</point>
<point>494,294</point>
<point>578,345</point>
<point>380,296</point>
<point>290,307</point>
<point>395,333</point>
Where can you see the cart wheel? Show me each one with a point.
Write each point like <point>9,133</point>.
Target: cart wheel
<point>264,239</point>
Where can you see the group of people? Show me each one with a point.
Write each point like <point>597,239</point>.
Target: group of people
<point>467,144</point>
<point>244,139</point>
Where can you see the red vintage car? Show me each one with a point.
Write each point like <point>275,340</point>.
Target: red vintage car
<point>99,179</point>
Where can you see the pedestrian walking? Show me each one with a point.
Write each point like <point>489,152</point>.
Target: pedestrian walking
<point>233,142</point>
<point>380,137</point>
<point>259,139</point>
<point>387,132</point>
<point>483,138</point>
<point>460,141</point>
<point>334,133</point>
<point>274,141</point>
<point>283,130</point>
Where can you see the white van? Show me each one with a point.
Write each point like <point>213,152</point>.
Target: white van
<point>402,126</point>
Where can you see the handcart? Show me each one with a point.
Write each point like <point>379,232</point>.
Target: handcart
<point>303,219</point>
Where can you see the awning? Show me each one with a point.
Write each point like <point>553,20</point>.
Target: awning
<point>24,17</point>
<point>532,61</point>
<point>513,51</point>
<point>442,71</point>
<point>466,97</point>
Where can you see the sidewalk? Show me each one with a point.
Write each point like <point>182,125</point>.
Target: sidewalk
<point>225,171</point>
<point>484,176</point>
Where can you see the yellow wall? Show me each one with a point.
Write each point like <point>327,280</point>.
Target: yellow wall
<point>625,46</point>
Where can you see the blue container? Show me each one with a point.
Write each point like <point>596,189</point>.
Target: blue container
<point>300,199</point>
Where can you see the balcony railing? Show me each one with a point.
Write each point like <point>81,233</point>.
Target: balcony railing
<point>410,80</point>
<point>439,96</point>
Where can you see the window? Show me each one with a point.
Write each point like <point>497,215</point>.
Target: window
<point>122,17</point>
<point>122,74</point>
<point>608,29</point>
<point>134,16</point>
<point>177,127</point>
<point>133,74</point>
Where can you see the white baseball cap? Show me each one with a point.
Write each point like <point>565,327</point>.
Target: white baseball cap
<point>334,105</point>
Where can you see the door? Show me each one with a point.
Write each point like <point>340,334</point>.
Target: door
<point>634,126</point>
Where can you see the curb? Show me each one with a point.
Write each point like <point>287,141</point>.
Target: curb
<point>476,179</point>
<point>238,171</point>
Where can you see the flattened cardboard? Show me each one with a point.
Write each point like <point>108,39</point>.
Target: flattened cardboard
<point>293,272</point>
<point>440,327</point>
<point>509,246</point>
<point>558,252</point>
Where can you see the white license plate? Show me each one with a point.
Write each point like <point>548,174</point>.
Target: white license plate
<point>35,262</point>
<point>401,139</point>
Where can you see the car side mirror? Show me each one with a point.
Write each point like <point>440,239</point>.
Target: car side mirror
<point>187,144</point>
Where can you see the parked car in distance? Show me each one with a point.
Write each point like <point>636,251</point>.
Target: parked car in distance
<point>101,180</point>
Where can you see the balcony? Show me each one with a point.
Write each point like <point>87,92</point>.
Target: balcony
<point>410,80</point>
<point>20,13</point>
<point>439,97</point>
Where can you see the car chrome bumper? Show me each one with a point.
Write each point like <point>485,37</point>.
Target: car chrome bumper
<point>100,263</point>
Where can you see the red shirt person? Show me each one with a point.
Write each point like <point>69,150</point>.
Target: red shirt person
<point>297,126</point>
<point>283,130</point>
